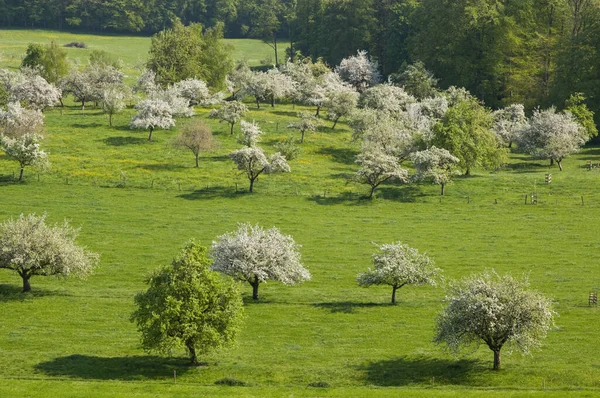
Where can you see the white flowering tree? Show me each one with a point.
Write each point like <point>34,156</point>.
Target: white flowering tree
<point>340,102</point>
<point>255,255</point>
<point>397,265</point>
<point>359,71</point>
<point>269,86</point>
<point>197,137</point>
<point>508,122</point>
<point>230,112</point>
<point>377,167</point>
<point>31,247</point>
<point>253,162</point>
<point>195,91</point>
<point>81,86</point>
<point>112,101</point>
<point>146,83</point>
<point>238,79</point>
<point>386,98</point>
<point>152,114</point>
<point>494,310</point>
<point>188,306</point>
<point>36,92</point>
<point>436,165</point>
<point>251,133</point>
<point>25,149</point>
<point>552,135</point>
<point>17,120</point>
<point>306,122</point>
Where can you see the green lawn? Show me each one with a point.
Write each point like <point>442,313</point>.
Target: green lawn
<point>138,203</point>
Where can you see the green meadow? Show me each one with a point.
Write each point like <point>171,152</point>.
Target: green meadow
<point>137,204</point>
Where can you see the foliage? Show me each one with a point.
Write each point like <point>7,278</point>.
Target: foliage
<point>253,162</point>
<point>255,255</point>
<point>340,102</point>
<point>188,306</point>
<point>152,114</point>
<point>434,164</point>
<point>377,167</point>
<point>197,137</point>
<point>195,91</point>
<point>230,112</point>
<point>31,247</point>
<point>508,122</point>
<point>49,60</point>
<point>496,310</point>
<point>112,101</point>
<point>25,149</point>
<point>552,135</point>
<point>465,131</point>
<point>417,81</point>
<point>359,71</point>
<point>397,265</point>
<point>288,148</point>
<point>251,133</point>
<point>577,107</point>
<point>35,91</point>
<point>386,98</point>
<point>17,121</point>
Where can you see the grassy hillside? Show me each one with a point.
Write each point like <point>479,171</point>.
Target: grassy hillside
<point>138,203</point>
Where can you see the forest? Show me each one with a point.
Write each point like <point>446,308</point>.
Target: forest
<point>535,52</point>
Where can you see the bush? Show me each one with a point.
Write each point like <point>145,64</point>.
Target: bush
<point>76,44</point>
<point>230,382</point>
<point>319,384</point>
<point>288,148</point>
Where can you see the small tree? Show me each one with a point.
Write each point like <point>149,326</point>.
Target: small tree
<point>508,122</point>
<point>253,162</point>
<point>340,102</point>
<point>17,121</point>
<point>359,71</point>
<point>35,91</point>
<point>397,265</point>
<point>497,310</point>
<point>306,122</point>
<point>577,107</point>
<point>152,114</point>
<point>187,305</point>
<point>255,255</point>
<point>30,247</point>
<point>25,149</point>
<point>197,137</point>
<point>377,167</point>
<point>251,133</point>
<point>417,80</point>
<point>435,164</point>
<point>231,112</point>
<point>112,101</point>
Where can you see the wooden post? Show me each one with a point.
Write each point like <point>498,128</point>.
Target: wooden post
<point>582,200</point>
<point>175,375</point>
<point>236,187</point>
<point>525,199</point>
<point>67,180</point>
<point>468,199</point>
<point>152,183</point>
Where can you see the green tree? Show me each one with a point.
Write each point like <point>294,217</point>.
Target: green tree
<point>576,105</point>
<point>33,55</point>
<point>188,306</point>
<point>466,131</point>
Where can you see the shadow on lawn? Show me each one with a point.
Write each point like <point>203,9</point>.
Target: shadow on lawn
<point>117,368</point>
<point>347,198</point>
<point>213,193</point>
<point>405,371</point>
<point>122,141</point>
<point>339,155</point>
<point>348,307</point>
<point>15,293</point>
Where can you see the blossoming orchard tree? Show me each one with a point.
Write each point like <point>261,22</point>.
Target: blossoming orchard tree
<point>359,71</point>
<point>31,247</point>
<point>397,265</point>
<point>496,310</point>
<point>377,167</point>
<point>251,133</point>
<point>305,122</point>
<point>17,121</point>
<point>189,306</point>
<point>253,162</point>
<point>230,112</point>
<point>508,122</point>
<point>152,114</point>
<point>255,255</point>
<point>36,92</point>
<point>436,165</point>
<point>112,101</point>
<point>25,149</point>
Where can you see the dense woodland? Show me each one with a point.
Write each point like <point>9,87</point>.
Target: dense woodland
<point>535,52</point>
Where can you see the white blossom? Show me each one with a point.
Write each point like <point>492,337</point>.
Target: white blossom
<point>251,133</point>
<point>35,91</point>
<point>253,162</point>
<point>340,102</point>
<point>195,91</point>
<point>305,122</point>
<point>377,167</point>
<point>397,265</point>
<point>112,101</point>
<point>435,164</point>
<point>386,98</point>
<point>152,114</point>
<point>25,149</point>
<point>360,71</point>
<point>509,121</point>
<point>230,112</point>
<point>17,120</point>
<point>255,255</point>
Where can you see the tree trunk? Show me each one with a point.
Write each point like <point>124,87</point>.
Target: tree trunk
<point>559,162</point>
<point>110,119</point>
<point>192,351</point>
<point>275,48</point>
<point>197,155</point>
<point>150,136</point>
<point>257,103</point>
<point>443,189</point>
<point>335,123</point>
<point>21,173</point>
<point>394,288</point>
<point>26,284</point>
<point>318,110</point>
<point>231,132</point>
<point>373,187</point>
<point>251,185</point>
<point>468,173</point>
<point>255,288</point>
<point>497,360</point>
<point>551,162</point>
<point>272,101</point>
<point>302,139</point>
<point>82,106</point>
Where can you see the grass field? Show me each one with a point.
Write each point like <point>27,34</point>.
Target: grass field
<point>138,203</point>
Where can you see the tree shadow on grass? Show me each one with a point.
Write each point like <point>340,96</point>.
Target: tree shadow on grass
<point>527,167</point>
<point>213,193</point>
<point>161,166</point>
<point>404,194</point>
<point>116,368</point>
<point>87,126</point>
<point>286,113</point>
<point>122,141</point>
<point>348,307</point>
<point>405,371</point>
<point>339,155</point>
<point>15,293</point>
<point>346,198</point>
